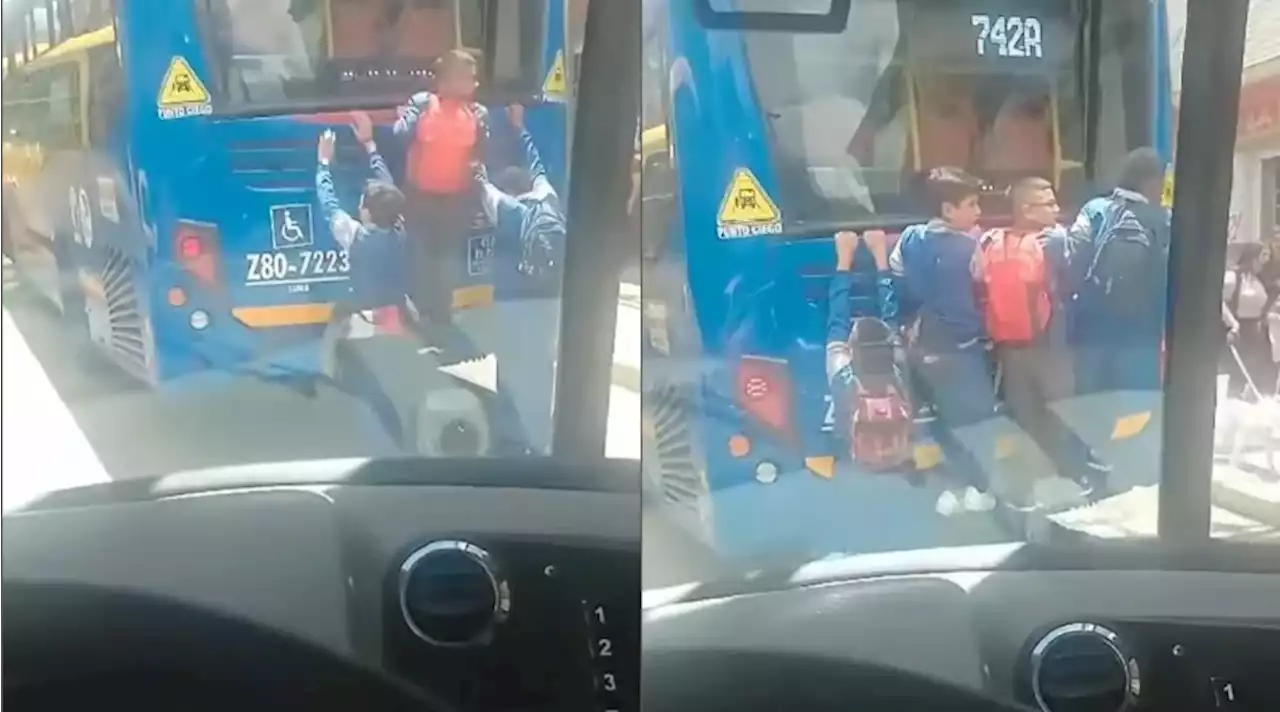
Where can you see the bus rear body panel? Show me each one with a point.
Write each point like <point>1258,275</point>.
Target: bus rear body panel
<point>744,348</point>
<point>239,269</point>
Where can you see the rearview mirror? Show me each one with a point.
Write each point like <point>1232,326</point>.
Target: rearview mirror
<point>713,15</point>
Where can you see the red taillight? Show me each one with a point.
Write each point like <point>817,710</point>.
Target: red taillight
<point>764,391</point>
<point>189,247</point>
<point>196,250</point>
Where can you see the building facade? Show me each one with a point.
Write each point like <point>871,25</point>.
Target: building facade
<point>1255,195</point>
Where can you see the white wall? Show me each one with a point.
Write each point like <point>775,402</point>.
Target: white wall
<point>1246,188</point>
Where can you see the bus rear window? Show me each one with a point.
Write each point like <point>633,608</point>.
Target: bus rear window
<point>996,87</point>
<point>289,53</point>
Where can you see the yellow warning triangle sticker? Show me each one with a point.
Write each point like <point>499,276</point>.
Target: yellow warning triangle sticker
<point>747,205</point>
<point>181,86</point>
<point>555,84</point>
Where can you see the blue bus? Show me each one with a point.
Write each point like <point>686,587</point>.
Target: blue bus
<point>783,130</point>
<point>159,159</point>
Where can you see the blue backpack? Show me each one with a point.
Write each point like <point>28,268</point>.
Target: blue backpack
<point>1127,259</point>
<point>540,231</point>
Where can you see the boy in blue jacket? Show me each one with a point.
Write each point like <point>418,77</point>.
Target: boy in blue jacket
<point>1120,261</point>
<point>934,266</point>
<point>529,236</point>
<point>375,246</point>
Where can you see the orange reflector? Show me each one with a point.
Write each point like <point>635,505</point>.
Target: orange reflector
<point>283,315</point>
<point>177,297</point>
<point>1130,425</point>
<point>822,466</point>
<point>739,446</point>
<point>477,295</point>
<point>1006,446</point>
<point>928,456</point>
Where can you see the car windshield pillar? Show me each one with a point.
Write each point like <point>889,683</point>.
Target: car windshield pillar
<point>1212,67</point>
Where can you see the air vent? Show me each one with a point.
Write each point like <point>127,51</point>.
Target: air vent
<point>1081,667</point>
<point>451,594</point>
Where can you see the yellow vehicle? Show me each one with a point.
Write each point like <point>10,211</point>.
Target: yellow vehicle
<point>49,103</point>
<point>657,187</point>
<point>653,144</point>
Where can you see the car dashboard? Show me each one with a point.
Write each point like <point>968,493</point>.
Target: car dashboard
<point>1118,627</point>
<point>488,593</point>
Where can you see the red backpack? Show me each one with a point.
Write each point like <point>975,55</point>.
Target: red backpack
<point>881,429</point>
<point>880,421</point>
<point>1015,281</point>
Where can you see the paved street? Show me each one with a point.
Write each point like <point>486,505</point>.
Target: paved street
<point>799,515</point>
<point>71,418</point>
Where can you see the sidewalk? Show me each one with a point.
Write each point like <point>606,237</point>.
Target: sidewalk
<point>43,447</point>
<point>623,438</point>
<point>626,343</point>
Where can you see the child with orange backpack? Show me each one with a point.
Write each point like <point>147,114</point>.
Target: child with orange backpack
<point>1018,272</point>
<point>447,131</point>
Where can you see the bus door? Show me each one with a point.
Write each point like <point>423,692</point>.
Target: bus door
<point>46,134</point>
<point>241,92</point>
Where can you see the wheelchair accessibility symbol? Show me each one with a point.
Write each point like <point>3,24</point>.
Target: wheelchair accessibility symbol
<point>291,226</point>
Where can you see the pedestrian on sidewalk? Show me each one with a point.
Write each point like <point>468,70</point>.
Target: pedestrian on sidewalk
<point>1247,299</point>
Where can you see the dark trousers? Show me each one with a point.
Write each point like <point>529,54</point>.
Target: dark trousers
<point>438,227</point>
<point>959,385</point>
<point>1032,377</point>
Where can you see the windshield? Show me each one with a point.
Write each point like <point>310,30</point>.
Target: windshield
<point>288,52</point>
<point>988,367</point>
<point>1001,89</point>
<point>188,285</point>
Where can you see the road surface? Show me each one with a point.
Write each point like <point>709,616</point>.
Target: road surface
<point>70,417</point>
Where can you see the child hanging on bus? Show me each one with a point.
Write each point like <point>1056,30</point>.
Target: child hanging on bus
<point>872,411</point>
<point>525,209</point>
<point>446,130</point>
<point>932,268</point>
<point>529,232</point>
<point>1119,255</point>
<point>1019,272</point>
<point>376,246</point>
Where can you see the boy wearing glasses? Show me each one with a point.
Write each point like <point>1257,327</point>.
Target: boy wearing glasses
<point>1020,275</point>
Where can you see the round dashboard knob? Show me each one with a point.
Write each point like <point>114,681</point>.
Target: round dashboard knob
<point>1083,666</point>
<point>452,595</point>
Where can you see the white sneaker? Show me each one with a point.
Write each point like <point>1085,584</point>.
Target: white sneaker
<point>948,504</point>
<point>975,501</point>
